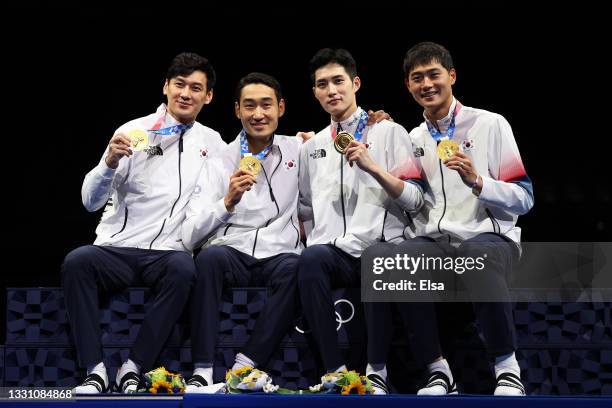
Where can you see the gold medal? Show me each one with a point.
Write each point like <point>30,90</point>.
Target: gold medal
<point>250,164</point>
<point>342,141</point>
<point>139,139</point>
<point>447,148</point>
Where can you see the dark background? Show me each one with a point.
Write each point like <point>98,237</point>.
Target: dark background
<point>73,75</point>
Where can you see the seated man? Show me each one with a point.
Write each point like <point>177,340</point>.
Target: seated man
<point>144,181</point>
<point>477,187</point>
<point>245,215</point>
<point>348,204</point>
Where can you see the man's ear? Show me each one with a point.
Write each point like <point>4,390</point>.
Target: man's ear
<point>237,109</point>
<point>356,83</point>
<point>209,97</point>
<point>281,108</point>
<point>453,75</point>
<point>165,88</point>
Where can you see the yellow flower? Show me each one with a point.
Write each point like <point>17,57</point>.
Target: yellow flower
<point>164,385</point>
<point>242,370</point>
<point>355,387</point>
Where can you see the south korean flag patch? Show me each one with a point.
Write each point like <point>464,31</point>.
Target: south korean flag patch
<point>467,145</point>
<point>204,152</point>
<point>290,165</point>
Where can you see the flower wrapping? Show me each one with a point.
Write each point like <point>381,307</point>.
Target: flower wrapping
<point>162,381</point>
<point>343,382</point>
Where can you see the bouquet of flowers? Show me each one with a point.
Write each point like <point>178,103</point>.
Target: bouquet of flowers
<point>162,381</point>
<point>343,382</point>
<point>248,379</point>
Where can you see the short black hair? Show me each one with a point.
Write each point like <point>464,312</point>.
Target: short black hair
<point>186,63</point>
<point>338,56</point>
<point>258,78</point>
<point>425,53</point>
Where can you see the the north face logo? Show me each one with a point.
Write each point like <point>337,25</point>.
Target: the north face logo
<point>318,153</point>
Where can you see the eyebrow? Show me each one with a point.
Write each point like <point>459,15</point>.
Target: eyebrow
<point>332,78</point>
<point>429,71</point>
<point>264,99</point>
<point>183,79</point>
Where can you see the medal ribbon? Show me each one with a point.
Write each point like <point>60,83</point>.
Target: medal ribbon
<point>170,130</point>
<point>436,134</point>
<point>363,121</point>
<point>244,147</point>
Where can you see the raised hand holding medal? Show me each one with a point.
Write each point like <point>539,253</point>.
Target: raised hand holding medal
<point>342,138</point>
<point>453,158</point>
<point>342,141</point>
<point>251,162</point>
<point>246,175</point>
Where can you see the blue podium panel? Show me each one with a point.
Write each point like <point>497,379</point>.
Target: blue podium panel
<point>39,367</point>
<point>38,316</point>
<point>564,348</point>
<point>557,323</point>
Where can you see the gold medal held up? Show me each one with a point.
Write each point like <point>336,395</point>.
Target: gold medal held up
<point>447,148</point>
<point>250,164</point>
<point>139,139</point>
<point>342,141</point>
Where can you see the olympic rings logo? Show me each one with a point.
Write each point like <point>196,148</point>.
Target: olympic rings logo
<point>339,318</point>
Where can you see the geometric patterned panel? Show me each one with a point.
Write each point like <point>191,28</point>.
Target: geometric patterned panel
<point>40,367</point>
<point>564,348</point>
<point>36,315</point>
<point>242,306</point>
<point>543,372</point>
<point>239,311</point>
<point>557,323</point>
<point>122,316</point>
<point>567,372</point>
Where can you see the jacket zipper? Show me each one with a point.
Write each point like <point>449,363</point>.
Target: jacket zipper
<point>382,233</point>
<point>493,221</point>
<point>125,218</point>
<point>180,153</point>
<point>342,193</point>
<point>269,181</point>
<point>297,241</point>
<point>444,194</point>
<point>342,197</point>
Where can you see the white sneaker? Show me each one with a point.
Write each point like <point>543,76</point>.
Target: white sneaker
<point>94,383</point>
<point>195,383</point>
<point>379,385</point>
<point>509,385</point>
<point>438,384</point>
<point>129,383</point>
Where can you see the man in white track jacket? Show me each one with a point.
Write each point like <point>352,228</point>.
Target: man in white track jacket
<point>473,197</point>
<point>247,222</point>
<point>346,196</point>
<point>144,181</point>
